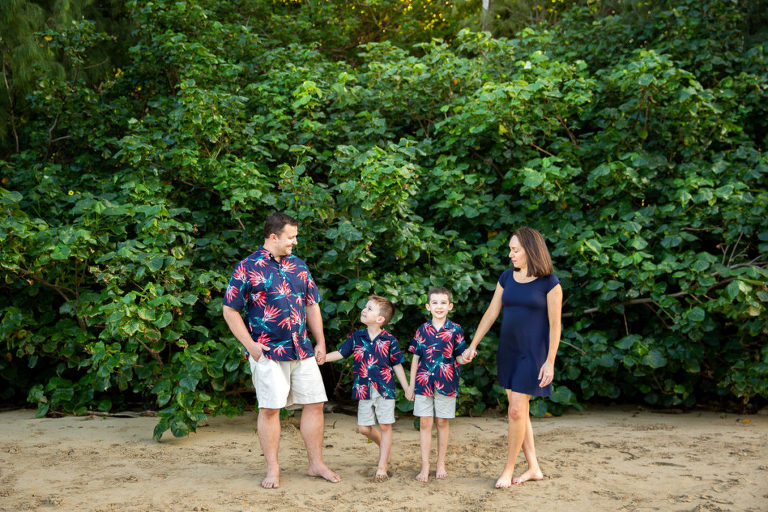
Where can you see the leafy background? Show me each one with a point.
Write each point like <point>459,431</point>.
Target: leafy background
<point>144,143</point>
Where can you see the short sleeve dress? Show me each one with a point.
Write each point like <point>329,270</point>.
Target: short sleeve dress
<point>524,339</point>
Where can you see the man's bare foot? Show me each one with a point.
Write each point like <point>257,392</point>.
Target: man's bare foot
<point>531,474</point>
<point>323,471</point>
<point>381,474</point>
<point>272,480</point>
<point>504,481</point>
<point>423,476</point>
<point>441,472</point>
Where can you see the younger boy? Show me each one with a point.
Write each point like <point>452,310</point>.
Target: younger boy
<point>436,347</point>
<point>376,355</point>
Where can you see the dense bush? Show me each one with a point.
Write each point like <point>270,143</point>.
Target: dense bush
<point>130,202</point>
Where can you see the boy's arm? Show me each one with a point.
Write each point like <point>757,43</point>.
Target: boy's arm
<point>333,356</point>
<point>414,368</point>
<point>401,377</point>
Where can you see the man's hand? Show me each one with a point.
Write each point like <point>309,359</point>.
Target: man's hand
<point>256,350</point>
<point>320,355</point>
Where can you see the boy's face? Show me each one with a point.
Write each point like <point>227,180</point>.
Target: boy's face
<point>439,305</point>
<point>370,315</point>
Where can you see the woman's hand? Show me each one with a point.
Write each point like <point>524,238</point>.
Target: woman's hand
<point>546,374</point>
<point>468,355</point>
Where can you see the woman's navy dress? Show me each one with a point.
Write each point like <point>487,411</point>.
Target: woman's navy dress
<point>524,339</point>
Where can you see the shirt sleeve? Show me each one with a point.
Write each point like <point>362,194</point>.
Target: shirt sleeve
<point>395,355</point>
<point>347,347</point>
<point>417,343</point>
<point>238,288</point>
<point>504,276</point>
<point>552,281</point>
<point>313,294</point>
<point>459,344</point>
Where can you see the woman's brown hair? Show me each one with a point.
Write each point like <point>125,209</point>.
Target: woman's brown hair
<point>539,260</point>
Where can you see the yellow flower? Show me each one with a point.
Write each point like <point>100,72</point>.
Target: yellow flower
<point>48,38</point>
<point>71,193</point>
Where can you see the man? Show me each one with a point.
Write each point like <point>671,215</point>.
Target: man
<point>281,300</point>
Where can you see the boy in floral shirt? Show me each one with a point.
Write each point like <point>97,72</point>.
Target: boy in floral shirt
<point>436,347</point>
<point>376,356</point>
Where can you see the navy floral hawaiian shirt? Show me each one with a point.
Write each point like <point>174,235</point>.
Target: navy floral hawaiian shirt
<point>373,362</point>
<point>274,295</point>
<point>438,371</point>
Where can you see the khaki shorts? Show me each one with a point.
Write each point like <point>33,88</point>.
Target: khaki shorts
<point>281,384</point>
<point>384,407</point>
<point>439,406</point>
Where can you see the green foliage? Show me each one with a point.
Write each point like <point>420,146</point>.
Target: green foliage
<point>130,201</point>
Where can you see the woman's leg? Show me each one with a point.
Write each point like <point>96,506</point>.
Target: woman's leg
<point>517,414</point>
<point>534,471</point>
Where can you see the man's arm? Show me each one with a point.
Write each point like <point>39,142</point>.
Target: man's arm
<point>315,324</point>
<point>238,328</point>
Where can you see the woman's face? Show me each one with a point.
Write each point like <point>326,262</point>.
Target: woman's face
<point>517,254</point>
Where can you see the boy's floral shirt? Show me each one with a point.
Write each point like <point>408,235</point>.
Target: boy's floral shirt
<point>372,363</point>
<point>438,371</point>
<point>275,295</point>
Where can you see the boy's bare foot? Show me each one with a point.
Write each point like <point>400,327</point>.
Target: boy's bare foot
<point>423,476</point>
<point>323,471</point>
<point>531,474</point>
<point>272,480</point>
<point>441,472</point>
<point>381,474</point>
<point>504,481</point>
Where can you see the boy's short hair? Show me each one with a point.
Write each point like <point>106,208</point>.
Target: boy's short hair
<point>438,290</point>
<point>386,308</point>
<point>276,222</point>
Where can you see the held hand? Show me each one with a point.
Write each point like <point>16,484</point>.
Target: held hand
<point>468,355</point>
<point>409,394</point>
<point>546,374</point>
<point>320,355</point>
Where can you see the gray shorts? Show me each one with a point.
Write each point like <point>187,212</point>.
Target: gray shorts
<point>439,406</point>
<point>384,410</point>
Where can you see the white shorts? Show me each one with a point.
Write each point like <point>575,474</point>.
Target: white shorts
<point>385,410</point>
<point>281,384</point>
<point>439,406</point>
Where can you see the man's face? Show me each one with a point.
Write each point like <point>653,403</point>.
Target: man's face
<point>439,305</point>
<point>286,240</point>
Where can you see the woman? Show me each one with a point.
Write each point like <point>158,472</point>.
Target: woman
<point>532,299</point>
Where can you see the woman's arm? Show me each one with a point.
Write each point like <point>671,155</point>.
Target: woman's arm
<point>554,312</point>
<point>489,318</point>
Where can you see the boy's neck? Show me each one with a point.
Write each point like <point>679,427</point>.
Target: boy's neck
<point>373,331</point>
<point>439,323</point>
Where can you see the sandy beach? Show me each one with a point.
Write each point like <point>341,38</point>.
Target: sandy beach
<point>605,458</point>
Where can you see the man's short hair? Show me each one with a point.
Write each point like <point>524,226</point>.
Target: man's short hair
<point>438,290</point>
<point>276,222</point>
<point>386,308</point>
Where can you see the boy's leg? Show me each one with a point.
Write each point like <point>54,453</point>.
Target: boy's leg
<point>385,448</point>
<point>445,410</point>
<point>366,421</point>
<point>443,431</point>
<point>425,436</point>
<point>534,471</point>
<point>517,415</point>
<point>371,433</point>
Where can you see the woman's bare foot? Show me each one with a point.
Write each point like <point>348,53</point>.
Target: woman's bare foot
<point>531,474</point>
<point>423,476</point>
<point>381,474</point>
<point>505,480</point>
<point>323,471</point>
<point>441,472</point>
<point>272,480</point>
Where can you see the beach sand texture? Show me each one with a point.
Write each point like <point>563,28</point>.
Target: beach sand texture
<point>602,459</point>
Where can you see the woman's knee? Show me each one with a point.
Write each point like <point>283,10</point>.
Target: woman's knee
<point>517,411</point>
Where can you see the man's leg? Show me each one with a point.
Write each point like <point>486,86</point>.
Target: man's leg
<point>268,426</point>
<point>312,427</point>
